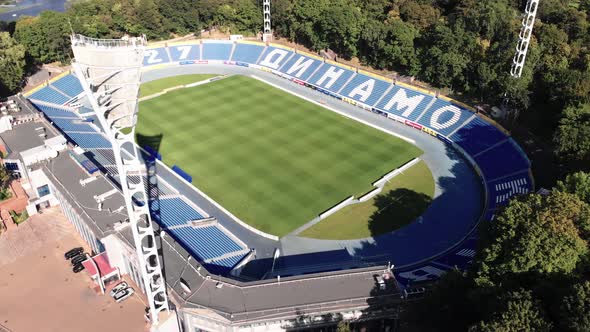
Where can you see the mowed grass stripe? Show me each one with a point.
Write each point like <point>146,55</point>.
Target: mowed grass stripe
<point>156,86</point>
<point>272,159</point>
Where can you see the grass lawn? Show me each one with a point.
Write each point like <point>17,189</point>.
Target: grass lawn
<point>156,86</point>
<point>403,199</point>
<point>272,159</point>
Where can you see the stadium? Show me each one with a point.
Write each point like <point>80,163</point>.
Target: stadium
<point>251,175</point>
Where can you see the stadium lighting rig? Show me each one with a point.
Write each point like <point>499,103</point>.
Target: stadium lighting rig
<point>266,31</point>
<point>110,73</point>
<point>524,38</point>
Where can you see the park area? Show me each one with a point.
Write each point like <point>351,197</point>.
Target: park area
<point>272,159</point>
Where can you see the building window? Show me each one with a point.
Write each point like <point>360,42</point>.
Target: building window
<point>43,191</point>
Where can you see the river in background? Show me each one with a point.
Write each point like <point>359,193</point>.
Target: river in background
<point>32,8</point>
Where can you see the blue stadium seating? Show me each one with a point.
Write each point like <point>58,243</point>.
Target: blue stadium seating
<point>448,121</point>
<point>68,125</point>
<point>69,84</point>
<point>224,265</point>
<point>185,52</point>
<point>54,112</point>
<point>247,53</point>
<point>477,135</point>
<point>205,242</point>
<point>155,56</point>
<point>173,212</point>
<point>305,74</point>
<point>217,51</point>
<point>90,141</point>
<point>49,95</point>
<point>413,115</point>
<point>379,89</point>
<point>501,191</point>
<point>276,56</point>
<point>342,79</point>
<point>502,160</point>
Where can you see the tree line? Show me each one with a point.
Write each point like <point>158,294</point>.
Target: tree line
<point>462,46</point>
<point>530,273</point>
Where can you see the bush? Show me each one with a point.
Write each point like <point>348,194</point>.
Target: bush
<point>19,218</point>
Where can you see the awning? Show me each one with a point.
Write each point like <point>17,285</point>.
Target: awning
<point>102,261</point>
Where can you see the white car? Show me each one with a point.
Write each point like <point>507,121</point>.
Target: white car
<point>123,294</point>
<point>118,288</point>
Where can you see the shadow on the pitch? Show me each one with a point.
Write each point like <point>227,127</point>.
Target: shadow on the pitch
<point>396,209</point>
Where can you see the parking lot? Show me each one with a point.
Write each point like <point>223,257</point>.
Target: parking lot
<point>40,292</point>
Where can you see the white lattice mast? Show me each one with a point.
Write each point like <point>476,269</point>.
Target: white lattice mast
<point>110,73</point>
<point>266,32</point>
<point>524,38</point>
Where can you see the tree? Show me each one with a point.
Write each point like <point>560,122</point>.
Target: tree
<point>4,177</point>
<point>46,37</point>
<point>521,313</point>
<point>446,56</point>
<point>343,326</point>
<point>572,137</point>
<point>539,234</point>
<point>577,184</point>
<point>390,45</point>
<point>575,308</point>
<point>12,63</point>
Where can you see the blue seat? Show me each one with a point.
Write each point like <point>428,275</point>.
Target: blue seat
<point>173,212</point>
<point>69,84</point>
<point>205,242</point>
<point>300,66</point>
<point>502,160</point>
<point>345,74</point>
<point>396,100</point>
<point>90,141</point>
<point>68,125</point>
<point>185,52</point>
<point>49,95</point>
<point>155,56</point>
<point>274,57</point>
<point>223,266</point>
<point>217,51</point>
<point>477,135</point>
<point>501,191</point>
<point>54,112</point>
<point>248,53</point>
<point>444,117</point>
<point>379,88</point>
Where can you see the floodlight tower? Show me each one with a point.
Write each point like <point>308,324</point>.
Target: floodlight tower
<point>524,38</point>
<point>110,73</point>
<point>266,32</point>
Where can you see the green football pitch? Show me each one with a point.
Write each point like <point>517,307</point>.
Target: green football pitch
<point>271,158</point>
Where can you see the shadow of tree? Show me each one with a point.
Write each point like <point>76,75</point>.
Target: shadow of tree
<point>396,209</point>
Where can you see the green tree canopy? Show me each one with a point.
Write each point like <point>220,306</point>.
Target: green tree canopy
<point>572,138</point>
<point>534,233</point>
<point>578,184</point>
<point>520,313</point>
<point>575,308</point>
<point>12,63</point>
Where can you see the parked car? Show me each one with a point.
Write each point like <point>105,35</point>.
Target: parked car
<point>123,294</point>
<point>77,268</point>
<point>79,259</point>
<point>119,287</point>
<point>73,252</point>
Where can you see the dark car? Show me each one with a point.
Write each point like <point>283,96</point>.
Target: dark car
<point>79,259</point>
<point>77,268</point>
<point>73,252</point>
